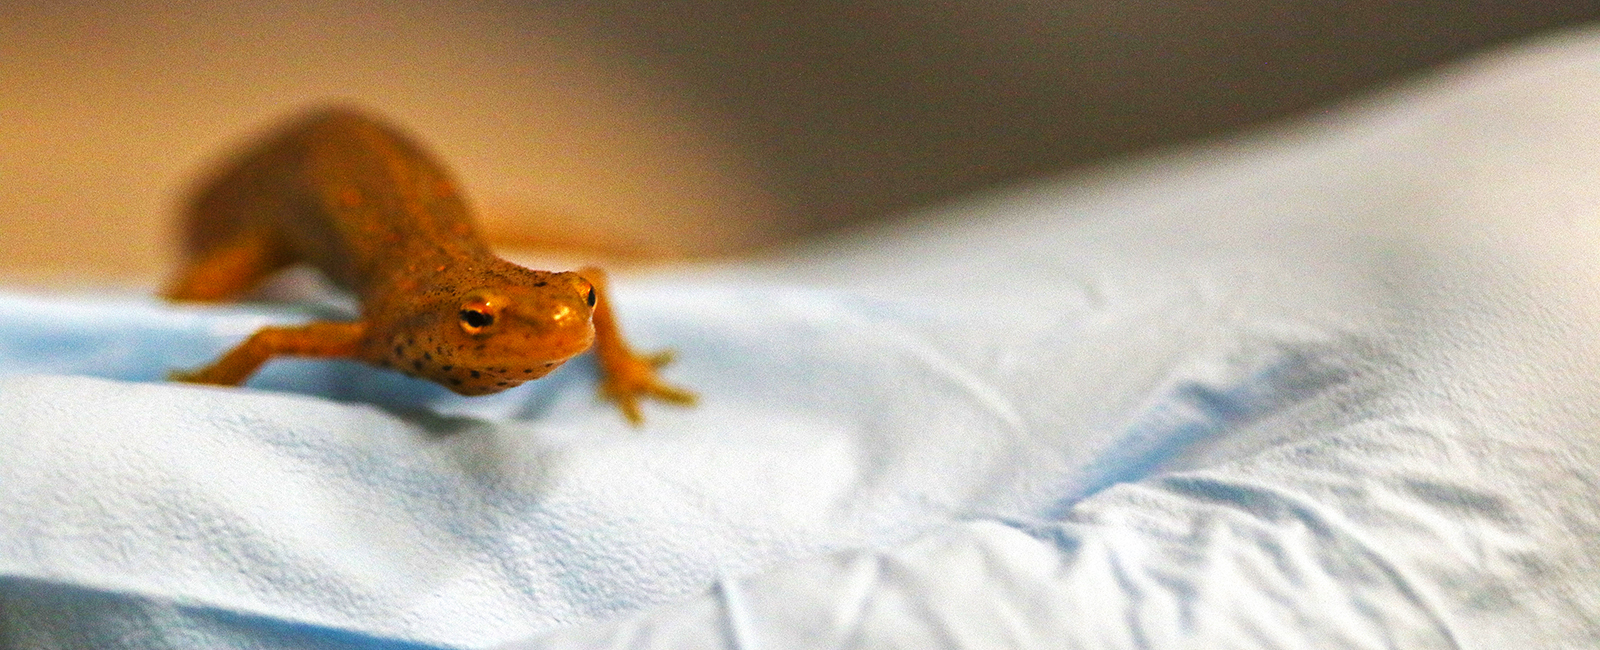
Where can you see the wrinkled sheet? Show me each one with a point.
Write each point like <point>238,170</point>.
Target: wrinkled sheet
<point>1333,385</point>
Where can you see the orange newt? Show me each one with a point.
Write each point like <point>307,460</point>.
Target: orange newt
<point>379,217</point>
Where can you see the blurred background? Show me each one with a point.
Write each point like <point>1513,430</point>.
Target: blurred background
<point>667,128</point>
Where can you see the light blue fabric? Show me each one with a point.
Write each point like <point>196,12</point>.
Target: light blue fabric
<point>1334,387</point>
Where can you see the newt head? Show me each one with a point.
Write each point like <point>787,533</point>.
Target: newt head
<point>491,338</point>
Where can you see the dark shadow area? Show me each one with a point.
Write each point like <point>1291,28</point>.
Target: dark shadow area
<point>863,108</point>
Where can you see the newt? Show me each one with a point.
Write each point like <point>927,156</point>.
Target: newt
<point>375,213</point>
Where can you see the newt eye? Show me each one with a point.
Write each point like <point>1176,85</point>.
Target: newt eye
<point>479,312</point>
<point>475,318</point>
<point>589,297</point>
<point>473,321</point>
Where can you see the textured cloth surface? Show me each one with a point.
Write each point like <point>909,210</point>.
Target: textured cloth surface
<point>1332,386</point>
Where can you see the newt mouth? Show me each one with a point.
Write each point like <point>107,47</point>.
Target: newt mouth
<point>475,390</point>
<point>486,381</point>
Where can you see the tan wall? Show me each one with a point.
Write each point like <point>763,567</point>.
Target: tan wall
<point>109,114</point>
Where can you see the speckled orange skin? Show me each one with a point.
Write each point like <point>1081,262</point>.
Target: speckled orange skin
<point>356,199</point>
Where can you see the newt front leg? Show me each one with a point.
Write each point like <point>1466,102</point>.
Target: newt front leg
<point>317,339</point>
<point>624,374</point>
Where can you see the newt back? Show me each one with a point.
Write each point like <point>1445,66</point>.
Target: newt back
<point>346,194</point>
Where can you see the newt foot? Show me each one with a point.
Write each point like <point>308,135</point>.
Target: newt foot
<point>630,377</point>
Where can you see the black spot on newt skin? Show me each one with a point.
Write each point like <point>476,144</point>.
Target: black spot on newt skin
<point>503,383</point>
<point>476,374</point>
<point>447,368</point>
<point>427,356</point>
<point>417,365</point>
<point>399,350</point>
<point>455,381</point>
